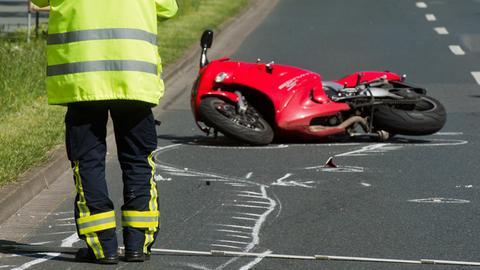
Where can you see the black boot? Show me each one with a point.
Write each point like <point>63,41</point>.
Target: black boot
<point>87,255</point>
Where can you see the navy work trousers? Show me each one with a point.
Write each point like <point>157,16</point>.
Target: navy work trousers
<point>136,139</point>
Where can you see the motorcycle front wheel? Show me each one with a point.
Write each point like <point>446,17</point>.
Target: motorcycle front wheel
<point>249,127</point>
<point>426,117</point>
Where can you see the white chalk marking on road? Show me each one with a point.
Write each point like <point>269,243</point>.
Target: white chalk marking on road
<point>457,50</point>
<point>244,218</point>
<point>448,133</point>
<point>476,76</point>
<point>251,192</point>
<point>239,236</point>
<point>280,146</point>
<point>430,17</point>
<point>281,182</point>
<point>249,206</point>
<point>231,231</point>
<point>233,242</point>
<point>159,178</point>
<point>421,5</point>
<point>255,230</point>
<point>339,169</point>
<point>366,184</point>
<point>249,175</point>
<point>441,30</point>
<point>256,261</point>
<point>225,246</point>
<point>250,214</point>
<point>235,226</point>
<point>249,196</point>
<point>67,242</point>
<point>466,186</point>
<point>37,261</point>
<point>236,185</point>
<point>375,148</point>
<point>259,202</point>
<point>441,143</point>
<point>195,266</point>
<point>440,200</point>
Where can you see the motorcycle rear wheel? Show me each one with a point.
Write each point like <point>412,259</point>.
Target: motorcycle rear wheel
<point>427,117</point>
<point>249,127</point>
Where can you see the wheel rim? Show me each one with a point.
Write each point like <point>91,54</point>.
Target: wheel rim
<point>250,119</point>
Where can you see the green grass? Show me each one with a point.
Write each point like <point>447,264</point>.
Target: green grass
<point>29,128</point>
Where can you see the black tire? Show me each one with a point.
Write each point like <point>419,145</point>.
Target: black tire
<point>424,118</point>
<point>251,127</point>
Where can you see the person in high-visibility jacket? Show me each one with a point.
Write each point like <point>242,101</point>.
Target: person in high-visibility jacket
<point>103,58</point>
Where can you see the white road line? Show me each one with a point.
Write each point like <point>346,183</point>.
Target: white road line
<point>441,30</point>
<point>366,184</point>
<point>457,50</point>
<point>421,5</point>
<point>430,17</point>
<point>476,76</point>
<point>225,246</point>
<point>249,175</point>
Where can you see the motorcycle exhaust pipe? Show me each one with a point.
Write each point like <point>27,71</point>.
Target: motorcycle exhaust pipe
<point>341,128</point>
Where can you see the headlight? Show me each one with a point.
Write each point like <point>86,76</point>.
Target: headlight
<point>221,77</point>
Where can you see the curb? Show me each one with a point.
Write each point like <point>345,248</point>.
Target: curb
<point>14,196</point>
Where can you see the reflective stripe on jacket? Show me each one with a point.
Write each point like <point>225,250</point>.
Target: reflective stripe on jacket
<point>104,50</point>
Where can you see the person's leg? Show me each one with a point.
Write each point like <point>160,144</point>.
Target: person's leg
<point>136,139</point>
<point>86,149</point>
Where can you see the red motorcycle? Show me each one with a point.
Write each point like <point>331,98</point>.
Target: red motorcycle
<point>255,102</point>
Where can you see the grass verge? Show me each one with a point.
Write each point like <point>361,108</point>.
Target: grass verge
<point>30,129</point>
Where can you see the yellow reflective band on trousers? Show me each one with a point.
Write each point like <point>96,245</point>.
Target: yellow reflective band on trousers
<point>96,55</point>
<point>91,238</point>
<point>141,219</point>
<point>153,205</point>
<point>96,223</point>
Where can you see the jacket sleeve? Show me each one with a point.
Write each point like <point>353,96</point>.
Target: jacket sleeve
<point>165,8</point>
<point>41,3</point>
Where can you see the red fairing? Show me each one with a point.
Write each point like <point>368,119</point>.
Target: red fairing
<point>366,76</point>
<point>296,94</point>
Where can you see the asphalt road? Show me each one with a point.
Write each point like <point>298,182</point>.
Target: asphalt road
<point>410,198</point>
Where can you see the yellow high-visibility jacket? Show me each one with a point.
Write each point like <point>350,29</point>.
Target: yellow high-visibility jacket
<point>104,49</point>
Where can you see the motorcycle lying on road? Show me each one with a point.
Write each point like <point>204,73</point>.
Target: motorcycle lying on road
<point>255,102</point>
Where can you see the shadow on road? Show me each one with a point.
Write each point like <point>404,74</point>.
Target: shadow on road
<point>225,141</point>
<point>36,252</point>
